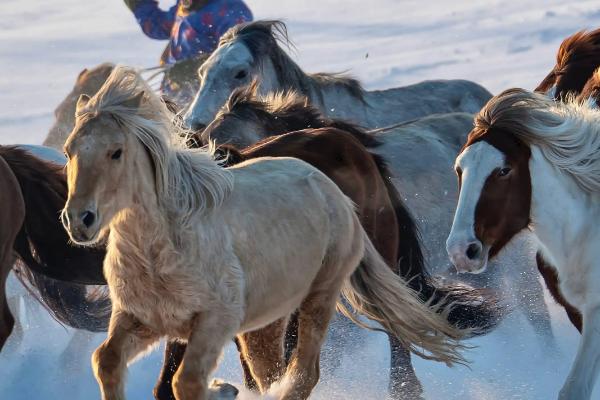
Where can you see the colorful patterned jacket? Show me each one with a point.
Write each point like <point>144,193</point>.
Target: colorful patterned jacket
<point>192,27</point>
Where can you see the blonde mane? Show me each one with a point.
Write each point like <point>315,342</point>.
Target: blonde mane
<point>188,181</point>
<point>567,133</point>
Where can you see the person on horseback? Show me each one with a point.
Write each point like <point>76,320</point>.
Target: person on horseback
<point>193,29</point>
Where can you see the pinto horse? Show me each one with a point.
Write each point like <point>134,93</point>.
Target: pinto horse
<point>532,163</point>
<point>216,257</point>
<point>33,193</point>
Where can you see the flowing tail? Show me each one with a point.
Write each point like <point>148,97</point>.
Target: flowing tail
<point>376,292</point>
<point>69,303</point>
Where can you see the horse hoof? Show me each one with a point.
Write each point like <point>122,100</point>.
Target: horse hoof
<point>220,390</point>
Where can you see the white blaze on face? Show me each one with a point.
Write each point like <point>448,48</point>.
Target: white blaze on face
<point>228,68</point>
<point>465,250</point>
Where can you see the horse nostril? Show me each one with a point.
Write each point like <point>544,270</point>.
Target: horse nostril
<point>88,218</point>
<point>473,251</point>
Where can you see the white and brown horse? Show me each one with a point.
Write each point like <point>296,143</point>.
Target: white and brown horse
<point>195,252</point>
<point>252,51</point>
<point>533,163</point>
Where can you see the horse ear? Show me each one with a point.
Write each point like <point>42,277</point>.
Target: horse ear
<point>135,101</point>
<point>81,74</point>
<point>82,101</point>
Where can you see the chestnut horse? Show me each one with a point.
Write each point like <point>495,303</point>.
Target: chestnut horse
<point>533,163</point>
<point>577,58</point>
<point>33,193</point>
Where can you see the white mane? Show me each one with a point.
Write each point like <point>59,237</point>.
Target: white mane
<point>188,181</point>
<point>567,133</point>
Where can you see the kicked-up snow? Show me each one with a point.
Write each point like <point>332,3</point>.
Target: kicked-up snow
<point>385,43</point>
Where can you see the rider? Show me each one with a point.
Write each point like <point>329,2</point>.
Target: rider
<point>193,27</point>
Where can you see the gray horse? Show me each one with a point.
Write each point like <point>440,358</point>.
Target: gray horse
<point>252,51</point>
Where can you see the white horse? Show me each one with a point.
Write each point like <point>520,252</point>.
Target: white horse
<point>532,163</point>
<point>251,51</point>
<point>201,253</point>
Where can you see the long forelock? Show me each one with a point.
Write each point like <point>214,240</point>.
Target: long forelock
<point>567,132</point>
<point>188,181</point>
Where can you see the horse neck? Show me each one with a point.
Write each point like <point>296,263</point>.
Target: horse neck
<point>560,210</point>
<point>143,218</point>
<point>335,100</point>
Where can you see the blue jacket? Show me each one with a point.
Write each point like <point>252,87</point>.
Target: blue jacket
<point>190,32</point>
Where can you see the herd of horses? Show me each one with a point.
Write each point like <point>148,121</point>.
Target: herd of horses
<point>247,214</point>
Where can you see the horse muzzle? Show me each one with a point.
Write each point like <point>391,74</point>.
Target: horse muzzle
<point>82,225</point>
<point>468,256</point>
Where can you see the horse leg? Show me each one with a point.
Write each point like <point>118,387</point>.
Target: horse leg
<point>404,383</point>
<point>302,373</point>
<point>174,352</point>
<point>263,350</point>
<point>210,333</point>
<point>585,369</point>
<point>249,381</point>
<point>127,338</point>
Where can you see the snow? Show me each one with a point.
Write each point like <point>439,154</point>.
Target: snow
<point>385,43</point>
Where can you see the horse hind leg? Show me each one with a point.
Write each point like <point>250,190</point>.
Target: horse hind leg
<point>263,351</point>
<point>302,373</point>
<point>404,383</point>
<point>174,353</point>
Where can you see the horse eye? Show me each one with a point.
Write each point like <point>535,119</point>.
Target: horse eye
<point>116,155</point>
<point>504,172</point>
<point>241,75</point>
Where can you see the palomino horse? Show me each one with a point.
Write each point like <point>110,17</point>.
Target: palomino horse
<point>251,51</point>
<point>195,252</point>
<point>420,156</point>
<point>577,58</point>
<point>532,163</point>
<point>33,194</point>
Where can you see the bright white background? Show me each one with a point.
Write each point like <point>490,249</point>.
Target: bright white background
<point>44,45</point>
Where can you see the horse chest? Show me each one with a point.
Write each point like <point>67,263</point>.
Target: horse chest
<point>164,302</point>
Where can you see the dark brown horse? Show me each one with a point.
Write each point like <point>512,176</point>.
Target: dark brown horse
<point>340,151</point>
<point>33,193</point>
<point>577,58</point>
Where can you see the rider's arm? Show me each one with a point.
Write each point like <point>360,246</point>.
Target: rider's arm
<point>154,22</point>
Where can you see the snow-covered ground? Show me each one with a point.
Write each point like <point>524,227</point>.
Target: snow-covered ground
<point>500,44</point>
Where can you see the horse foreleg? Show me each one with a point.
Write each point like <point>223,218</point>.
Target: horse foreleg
<point>404,383</point>
<point>585,369</point>
<point>174,352</point>
<point>210,333</point>
<point>127,338</point>
<point>263,350</point>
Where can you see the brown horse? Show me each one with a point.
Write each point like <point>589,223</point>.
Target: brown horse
<point>577,58</point>
<point>340,151</point>
<point>33,192</point>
